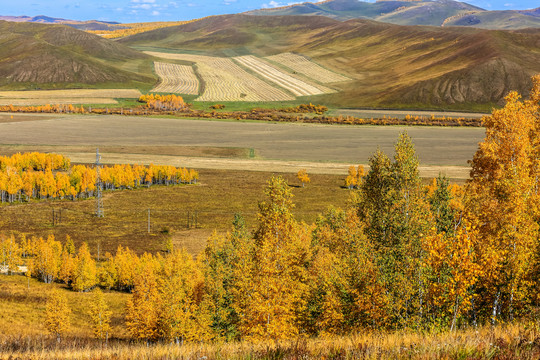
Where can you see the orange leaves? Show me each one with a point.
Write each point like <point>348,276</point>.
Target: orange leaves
<point>355,176</point>
<point>502,197</point>
<point>163,102</point>
<point>303,177</point>
<point>37,175</point>
<point>454,270</point>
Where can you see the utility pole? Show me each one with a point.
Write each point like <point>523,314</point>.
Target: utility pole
<point>149,221</point>
<point>99,188</point>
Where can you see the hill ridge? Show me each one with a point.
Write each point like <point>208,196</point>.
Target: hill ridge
<point>403,12</point>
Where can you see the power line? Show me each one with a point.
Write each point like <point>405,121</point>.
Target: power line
<point>99,188</point>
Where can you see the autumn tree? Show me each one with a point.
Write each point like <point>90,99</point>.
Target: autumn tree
<point>84,270</point>
<point>100,316</point>
<point>142,314</point>
<point>502,197</point>
<point>271,294</point>
<point>57,314</point>
<point>183,314</point>
<point>303,177</point>
<point>453,273</point>
<point>344,288</point>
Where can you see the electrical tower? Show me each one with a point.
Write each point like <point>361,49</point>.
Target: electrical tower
<point>99,188</point>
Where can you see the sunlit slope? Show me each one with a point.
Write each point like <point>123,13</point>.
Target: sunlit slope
<point>57,56</point>
<point>389,64</point>
<point>435,13</point>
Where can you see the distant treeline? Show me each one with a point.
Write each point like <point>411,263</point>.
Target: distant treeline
<point>41,176</point>
<point>174,105</point>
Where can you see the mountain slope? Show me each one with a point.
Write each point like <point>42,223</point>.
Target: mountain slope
<point>423,12</point>
<point>391,64</point>
<point>56,56</point>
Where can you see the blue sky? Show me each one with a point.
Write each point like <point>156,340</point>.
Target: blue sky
<point>168,10</point>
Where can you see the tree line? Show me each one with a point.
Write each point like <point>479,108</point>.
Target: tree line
<point>43,176</point>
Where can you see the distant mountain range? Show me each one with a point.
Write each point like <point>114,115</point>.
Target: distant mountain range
<point>434,13</point>
<point>81,25</point>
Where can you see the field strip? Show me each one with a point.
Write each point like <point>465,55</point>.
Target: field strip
<point>180,79</point>
<point>289,82</point>
<point>287,166</point>
<point>227,81</point>
<point>57,101</point>
<point>73,93</point>
<point>367,113</point>
<point>306,67</point>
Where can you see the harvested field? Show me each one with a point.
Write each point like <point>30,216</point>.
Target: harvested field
<point>180,79</point>
<point>53,101</point>
<point>76,96</point>
<point>306,67</point>
<point>270,141</point>
<point>74,93</point>
<point>226,81</point>
<point>287,81</point>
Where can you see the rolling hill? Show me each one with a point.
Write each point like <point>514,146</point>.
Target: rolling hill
<point>81,25</point>
<point>56,56</point>
<point>435,13</point>
<point>391,65</point>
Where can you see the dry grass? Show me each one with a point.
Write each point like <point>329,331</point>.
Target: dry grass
<point>22,309</point>
<point>191,151</point>
<point>57,100</point>
<point>306,67</point>
<point>180,79</point>
<point>287,81</point>
<point>226,81</point>
<point>270,141</point>
<point>502,342</point>
<point>213,202</point>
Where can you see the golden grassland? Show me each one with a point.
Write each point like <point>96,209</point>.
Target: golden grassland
<point>209,205</point>
<point>23,336</point>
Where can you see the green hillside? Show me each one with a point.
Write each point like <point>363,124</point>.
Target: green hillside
<point>435,13</point>
<point>411,66</point>
<point>57,56</point>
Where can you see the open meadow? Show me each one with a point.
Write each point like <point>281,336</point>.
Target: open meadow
<point>78,96</point>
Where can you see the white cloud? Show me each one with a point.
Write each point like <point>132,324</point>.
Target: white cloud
<point>155,13</point>
<point>509,5</point>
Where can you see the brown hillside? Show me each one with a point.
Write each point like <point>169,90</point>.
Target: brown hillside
<point>48,56</point>
<point>392,65</point>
